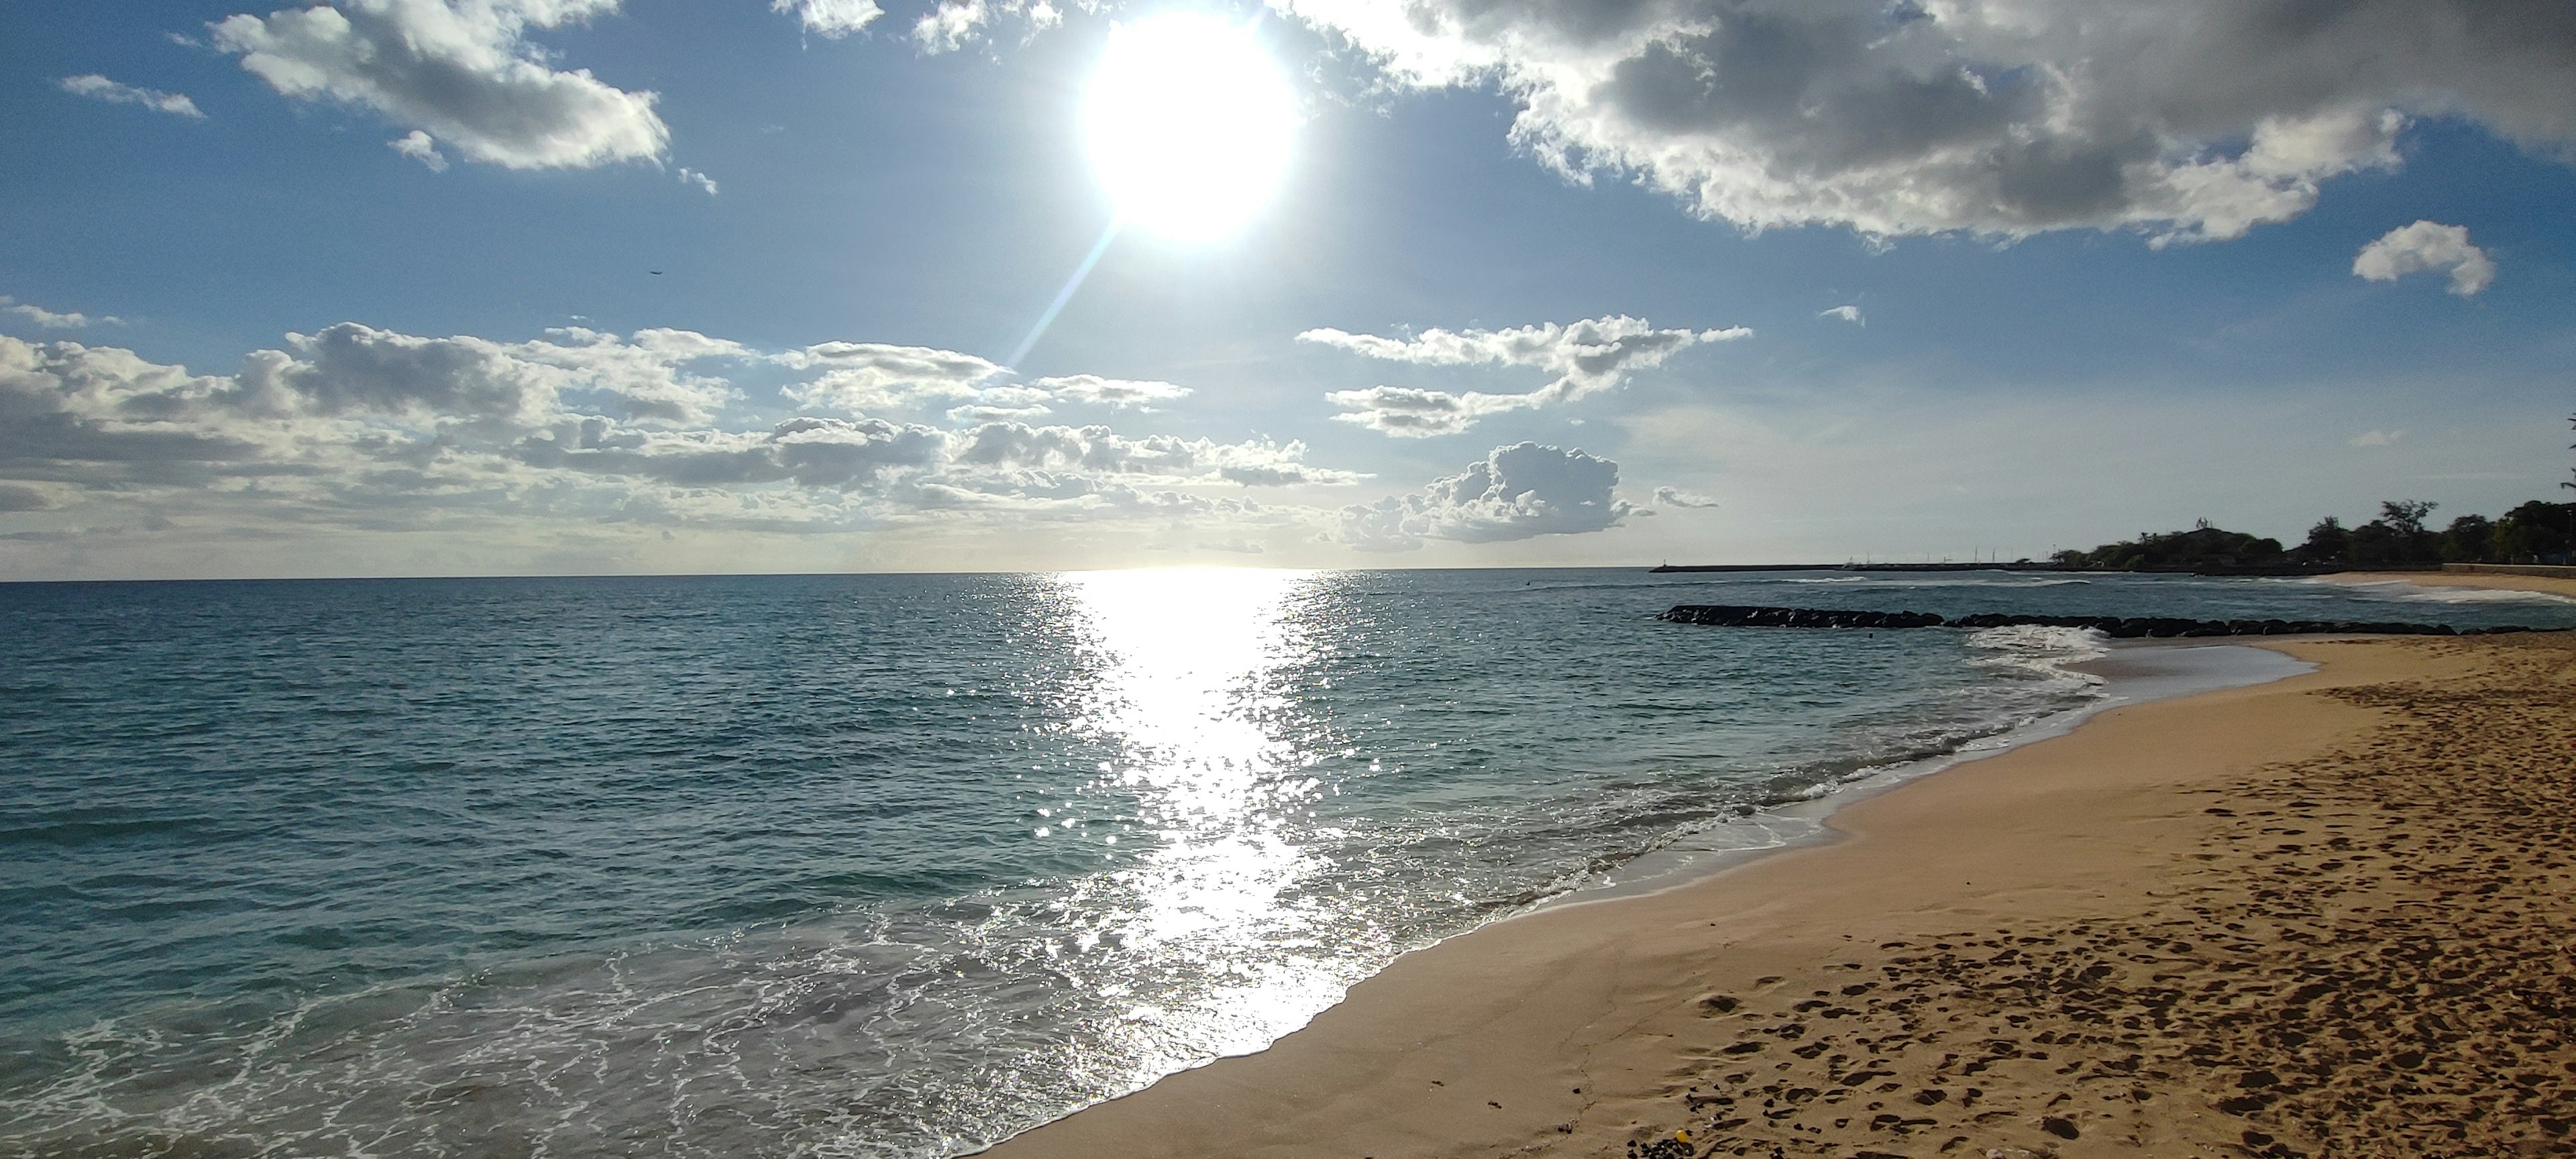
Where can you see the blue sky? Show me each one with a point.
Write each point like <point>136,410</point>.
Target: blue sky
<point>2085,299</point>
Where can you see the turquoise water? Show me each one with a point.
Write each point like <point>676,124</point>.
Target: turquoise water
<point>873,865</point>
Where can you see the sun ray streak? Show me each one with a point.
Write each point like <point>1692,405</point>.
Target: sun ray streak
<point>1066,294</point>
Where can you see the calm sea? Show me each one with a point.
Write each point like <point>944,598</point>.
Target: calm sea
<point>872,865</point>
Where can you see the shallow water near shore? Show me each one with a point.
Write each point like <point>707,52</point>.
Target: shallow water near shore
<point>2125,672</point>
<point>879,865</point>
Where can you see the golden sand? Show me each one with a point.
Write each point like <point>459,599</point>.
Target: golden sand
<point>2333,915</point>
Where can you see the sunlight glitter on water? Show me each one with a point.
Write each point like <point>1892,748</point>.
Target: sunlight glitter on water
<point>1190,661</point>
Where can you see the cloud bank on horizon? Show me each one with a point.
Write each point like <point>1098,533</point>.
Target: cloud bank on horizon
<point>356,427</point>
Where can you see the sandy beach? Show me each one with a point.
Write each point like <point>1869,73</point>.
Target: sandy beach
<point>2328,915</point>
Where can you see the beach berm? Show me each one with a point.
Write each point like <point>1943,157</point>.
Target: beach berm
<point>2328,916</point>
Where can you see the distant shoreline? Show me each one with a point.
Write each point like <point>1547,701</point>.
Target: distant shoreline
<point>2209,570</point>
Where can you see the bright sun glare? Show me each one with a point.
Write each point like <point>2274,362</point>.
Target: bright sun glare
<point>1189,124</point>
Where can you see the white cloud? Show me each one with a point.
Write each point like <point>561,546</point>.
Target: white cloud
<point>690,176</point>
<point>1676,497</point>
<point>2427,245</point>
<point>1016,446</point>
<point>861,376</point>
<point>419,147</point>
<point>1516,492</point>
<point>1849,314</point>
<point>2376,438</point>
<point>493,388</point>
<point>830,19</point>
<point>948,27</point>
<point>2197,119</point>
<point>956,23</point>
<point>1410,413</point>
<point>646,377</point>
<point>1003,403</point>
<point>53,320</point>
<point>100,88</point>
<point>1585,357</point>
<point>1114,392</point>
<point>464,72</point>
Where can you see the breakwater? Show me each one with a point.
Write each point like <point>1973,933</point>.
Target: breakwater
<point>2122,627</point>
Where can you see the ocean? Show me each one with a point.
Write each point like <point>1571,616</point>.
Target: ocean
<point>879,865</point>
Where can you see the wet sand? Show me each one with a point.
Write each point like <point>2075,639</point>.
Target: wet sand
<point>2332,915</point>
<point>2554,585</point>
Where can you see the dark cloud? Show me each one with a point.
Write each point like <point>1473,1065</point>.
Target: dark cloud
<point>17,498</point>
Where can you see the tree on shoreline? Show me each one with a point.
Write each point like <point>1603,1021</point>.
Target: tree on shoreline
<point>2535,532</point>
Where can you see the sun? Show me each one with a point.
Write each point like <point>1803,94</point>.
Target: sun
<point>1190,125</point>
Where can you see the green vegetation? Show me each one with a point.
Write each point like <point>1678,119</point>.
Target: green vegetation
<point>2536,532</point>
<point>2202,546</point>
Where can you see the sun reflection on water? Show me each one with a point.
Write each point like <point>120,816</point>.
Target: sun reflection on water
<point>1191,667</point>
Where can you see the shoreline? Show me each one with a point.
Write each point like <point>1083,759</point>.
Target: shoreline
<point>2179,668</point>
<point>2484,581</point>
<point>1567,1030</point>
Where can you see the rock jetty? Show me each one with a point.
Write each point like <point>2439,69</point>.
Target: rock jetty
<point>2123,627</point>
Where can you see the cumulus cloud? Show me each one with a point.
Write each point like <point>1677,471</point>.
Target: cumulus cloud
<point>52,320</point>
<point>1516,492</point>
<point>2376,438</point>
<point>419,147</point>
<point>956,23</point>
<point>2194,119</point>
<point>1585,357</point>
<point>1849,314</point>
<point>2427,245</point>
<point>830,19</point>
<point>1676,497</point>
<point>1113,392</point>
<point>690,176</point>
<point>462,71</point>
<point>475,383</point>
<point>100,88</point>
